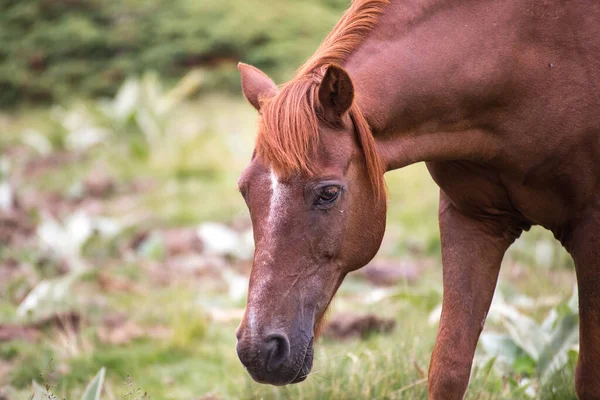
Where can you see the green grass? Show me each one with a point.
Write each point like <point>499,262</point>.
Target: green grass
<point>378,367</point>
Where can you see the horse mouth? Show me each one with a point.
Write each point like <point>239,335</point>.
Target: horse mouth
<point>306,364</point>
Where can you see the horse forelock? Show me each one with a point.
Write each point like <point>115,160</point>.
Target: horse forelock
<point>288,134</point>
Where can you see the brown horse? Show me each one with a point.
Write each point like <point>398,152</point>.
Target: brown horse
<point>501,98</point>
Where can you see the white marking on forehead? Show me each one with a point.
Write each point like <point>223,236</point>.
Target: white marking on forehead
<point>275,208</point>
<point>274,181</point>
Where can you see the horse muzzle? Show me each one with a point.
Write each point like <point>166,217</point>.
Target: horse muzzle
<point>273,359</point>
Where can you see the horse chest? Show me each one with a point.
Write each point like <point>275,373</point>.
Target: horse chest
<point>480,190</point>
<point>541,204</point>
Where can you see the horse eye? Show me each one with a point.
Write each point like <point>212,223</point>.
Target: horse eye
<point>328,194</point>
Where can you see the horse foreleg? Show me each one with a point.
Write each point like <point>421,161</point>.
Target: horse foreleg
<point>584,245</point>
<point>472,251</point>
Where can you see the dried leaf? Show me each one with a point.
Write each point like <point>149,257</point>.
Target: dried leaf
<point>344,326</point>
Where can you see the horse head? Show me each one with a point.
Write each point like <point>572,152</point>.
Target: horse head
<point>315,192</point>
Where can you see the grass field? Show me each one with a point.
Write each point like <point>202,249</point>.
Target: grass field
<point>142,299</point>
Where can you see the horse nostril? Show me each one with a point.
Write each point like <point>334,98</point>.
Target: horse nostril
<point>278,350</point>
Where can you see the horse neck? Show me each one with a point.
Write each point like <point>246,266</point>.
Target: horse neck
<point>421,75</point>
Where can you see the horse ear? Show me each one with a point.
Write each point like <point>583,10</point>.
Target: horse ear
<point>336,92</point>
<point>256,84</point>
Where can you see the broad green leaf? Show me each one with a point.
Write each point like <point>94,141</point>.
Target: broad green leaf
<point>126,99</point>
<point>555,354</point>
<point>523,330</point>
<point>500,346</point>
<point>550,321</point>
<point>524,365</point>
<point>94,388</point>
<point>48,297</point>
<point>569,307</point>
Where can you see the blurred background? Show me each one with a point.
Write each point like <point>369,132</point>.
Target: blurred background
<point>125,248</point>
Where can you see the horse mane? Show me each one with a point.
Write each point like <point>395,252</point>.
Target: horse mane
<point>289,127</point>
